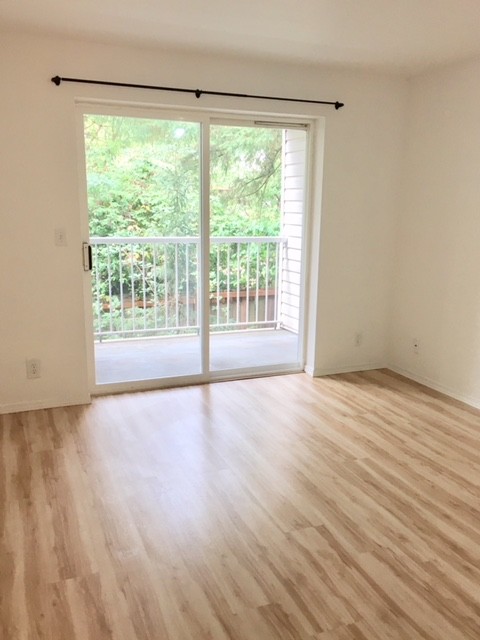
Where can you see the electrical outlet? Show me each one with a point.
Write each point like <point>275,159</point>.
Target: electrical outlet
<point>33,368</point>
<point>415,346</point>
<point>358,338</point>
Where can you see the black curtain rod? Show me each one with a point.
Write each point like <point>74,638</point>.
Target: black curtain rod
<point>197,92</point>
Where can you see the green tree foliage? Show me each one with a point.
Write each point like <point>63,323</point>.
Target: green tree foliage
<point>245,181</point>
<point>144,178</point>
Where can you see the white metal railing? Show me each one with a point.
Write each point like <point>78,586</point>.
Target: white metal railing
<point>149,286</point>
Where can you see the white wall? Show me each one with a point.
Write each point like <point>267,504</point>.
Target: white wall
<point>363,153</point>
<point>437,285</point>
<point>41,285</point>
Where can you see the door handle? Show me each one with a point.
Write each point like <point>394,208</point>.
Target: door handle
<point>87,256</point>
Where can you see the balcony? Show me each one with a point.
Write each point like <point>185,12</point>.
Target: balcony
<point>146,305</point>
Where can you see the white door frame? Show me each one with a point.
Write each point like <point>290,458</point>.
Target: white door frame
<point>204,118</point>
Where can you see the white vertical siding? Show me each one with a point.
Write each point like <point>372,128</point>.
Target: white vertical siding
<point>293,186</point>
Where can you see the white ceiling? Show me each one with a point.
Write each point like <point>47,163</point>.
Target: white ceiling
<point>399,35</point>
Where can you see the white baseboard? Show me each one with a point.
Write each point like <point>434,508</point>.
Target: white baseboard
<point>313,372</point>
<point>436,386</point>
<point>44,404</point>
<point>352,368</point>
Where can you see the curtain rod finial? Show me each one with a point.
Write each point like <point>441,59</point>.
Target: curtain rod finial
<point>339,105</point>
<point>56,80</point>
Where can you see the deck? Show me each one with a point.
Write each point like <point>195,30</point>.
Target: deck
<point>152,358</point>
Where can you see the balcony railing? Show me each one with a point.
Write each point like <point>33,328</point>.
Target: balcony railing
<point>149,286</point>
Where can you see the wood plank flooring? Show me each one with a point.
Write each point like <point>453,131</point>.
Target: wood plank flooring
<point>286,508</point>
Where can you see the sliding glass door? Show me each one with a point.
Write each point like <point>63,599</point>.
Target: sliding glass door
<point>196,244</point>
<point>254,216</point>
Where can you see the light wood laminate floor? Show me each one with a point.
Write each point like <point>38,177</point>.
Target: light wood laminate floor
<point>286,508</point>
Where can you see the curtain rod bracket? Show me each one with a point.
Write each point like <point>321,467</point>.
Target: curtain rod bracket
<point>57,80</point>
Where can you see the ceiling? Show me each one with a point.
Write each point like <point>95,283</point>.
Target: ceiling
<point>395,35</point>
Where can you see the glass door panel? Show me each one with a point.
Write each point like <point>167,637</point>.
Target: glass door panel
<point>144,201</point>
<point>257,177</point>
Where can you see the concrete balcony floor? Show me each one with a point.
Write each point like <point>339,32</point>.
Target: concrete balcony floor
<point>165,357</point>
